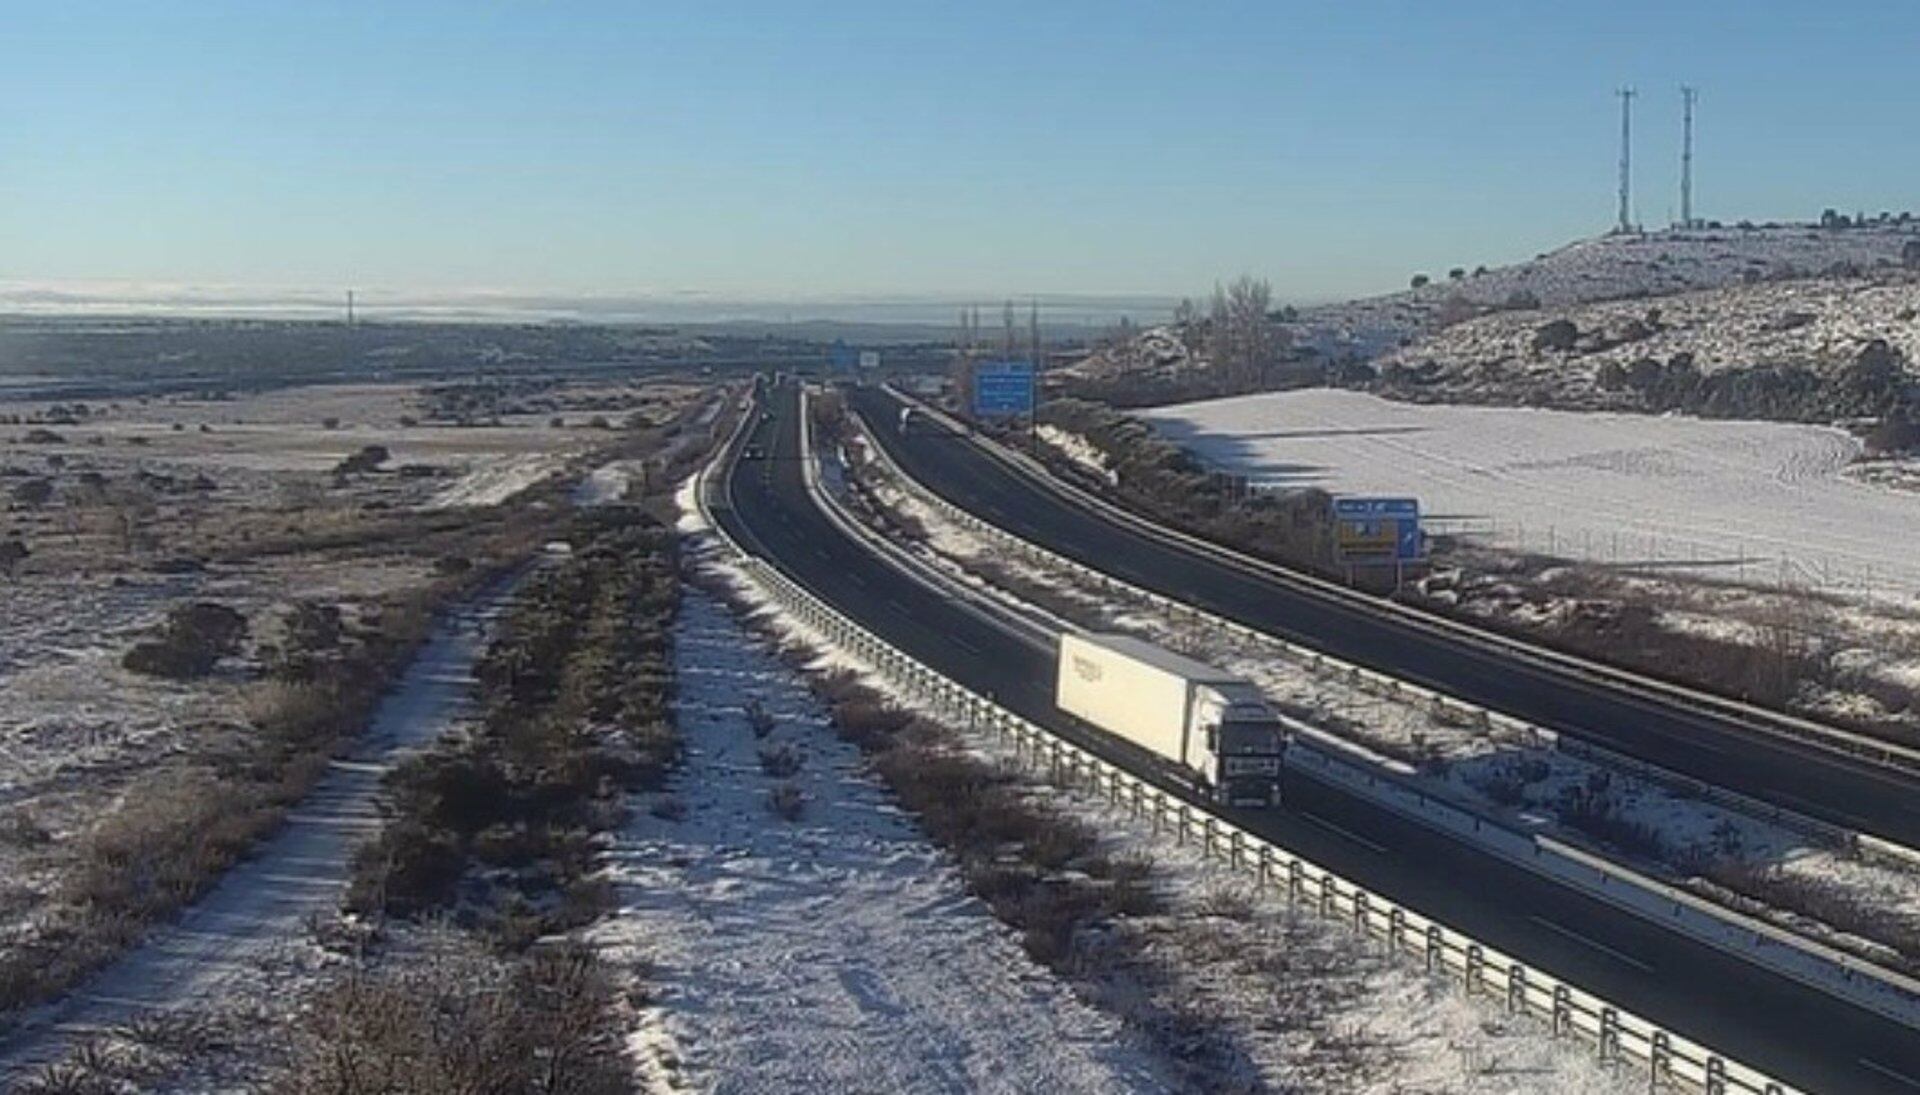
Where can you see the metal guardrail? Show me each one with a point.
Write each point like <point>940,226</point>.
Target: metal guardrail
<point>1392,688</point>
<point>1618,1036</point>
<point>1777,723</point>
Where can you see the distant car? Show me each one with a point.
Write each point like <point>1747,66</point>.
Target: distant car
<point>754,452</point>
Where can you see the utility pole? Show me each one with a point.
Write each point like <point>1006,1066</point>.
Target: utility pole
<point>349,307</point>
<point>1688,96</point>
<point>1626,159</point>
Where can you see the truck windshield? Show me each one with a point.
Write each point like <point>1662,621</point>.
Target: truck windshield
<point>1241,738</point>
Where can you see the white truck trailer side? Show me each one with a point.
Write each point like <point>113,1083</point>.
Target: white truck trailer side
<point>1214,728</point>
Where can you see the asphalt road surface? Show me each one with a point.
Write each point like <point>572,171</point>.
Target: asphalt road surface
<point>1713,749</point>
<point>1802,1035</point>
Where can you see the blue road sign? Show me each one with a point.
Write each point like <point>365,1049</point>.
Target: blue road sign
<point>842,357</point>
<point>1384,530</point>
<point>1002,388</point>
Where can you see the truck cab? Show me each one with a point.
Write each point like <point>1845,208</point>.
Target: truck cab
<point>1245,745</point>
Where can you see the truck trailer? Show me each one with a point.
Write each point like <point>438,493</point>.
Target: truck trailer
<point>1213,729</point>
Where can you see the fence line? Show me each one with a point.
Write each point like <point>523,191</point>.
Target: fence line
<point>1619,1037</point>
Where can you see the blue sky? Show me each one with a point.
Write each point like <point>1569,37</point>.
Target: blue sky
<point>800,150</point>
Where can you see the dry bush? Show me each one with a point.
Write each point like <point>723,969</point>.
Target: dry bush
<point>458,1021</point>
<point>787,802</point>
<point>780,761</point>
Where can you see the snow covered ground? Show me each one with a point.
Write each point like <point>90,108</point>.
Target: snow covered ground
<point>1819,323</point>
<point>1494,773</point>
<point>1307,1005</point>
<point>1618,268</point>
<point>839,951</point>
<point>223,951</point>
<point>1759,502</point>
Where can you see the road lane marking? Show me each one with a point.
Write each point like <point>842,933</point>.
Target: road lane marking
<point>1569,933</point>
<point>1892,1074</point>
<point>964,645</point>
<point>1343,831</point>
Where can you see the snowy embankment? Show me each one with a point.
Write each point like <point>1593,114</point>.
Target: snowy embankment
<point>496,480</point>
<point>1753,501</point>
<point>232,952</point>
<point>1307,1005</point>
<point>1523,780</point>
<point>837,951</point>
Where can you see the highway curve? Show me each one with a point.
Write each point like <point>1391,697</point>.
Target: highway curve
<point>1802,1035</point>
<point>1712,749</point>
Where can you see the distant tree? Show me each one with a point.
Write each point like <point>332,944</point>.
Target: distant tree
<point>1479,271</point>
<point>13,552</point>
<point>1458,273</point>
<point>331,422</point>
<point>368,459</point>
<point>1420,281</point>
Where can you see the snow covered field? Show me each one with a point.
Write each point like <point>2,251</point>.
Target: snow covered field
<point>836,952</point>
<point>1497,774</point>
<point>1759,502</point>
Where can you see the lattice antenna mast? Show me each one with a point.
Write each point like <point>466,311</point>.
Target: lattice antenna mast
<point>1626,158</point>
<point>1688,96</point>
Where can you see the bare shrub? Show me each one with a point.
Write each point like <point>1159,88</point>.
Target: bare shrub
<point>780,761</point>
<point>460,1021</point>
<point>759,719</point>
<point>787,802</point>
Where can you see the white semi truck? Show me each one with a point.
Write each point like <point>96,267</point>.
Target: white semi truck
<point>1213,728</point>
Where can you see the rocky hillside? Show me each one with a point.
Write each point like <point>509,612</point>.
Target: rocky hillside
<point>1609,268</point>
<point>1631,322</point>
<point>1710,352</point>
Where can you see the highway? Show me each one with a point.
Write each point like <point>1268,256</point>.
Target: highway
<point>1705,746</point>
<point>1770,1022</point>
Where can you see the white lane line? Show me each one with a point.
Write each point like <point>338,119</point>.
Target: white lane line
<point>1898,1077</point>
<point>898,607</point>
<point>964,645</point>
<point>1569,933</point>
<point>1343,831</point>
<point>854,577</point>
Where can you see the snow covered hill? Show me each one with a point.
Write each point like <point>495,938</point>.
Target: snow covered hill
<point>1764,275</point>
<point>1819,325</point>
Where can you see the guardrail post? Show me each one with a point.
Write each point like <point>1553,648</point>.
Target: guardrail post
<point>1361,914</point>
<point>1562,1010</point>
<point>1516,988</point>
<point>1436,948</point>
<point>1476,967</point>
<point>1716,1081</point>
<point>1659,1060</point>
<point>1328,889</point>
<point>1609,1036</point>
<point>1396,930</point>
